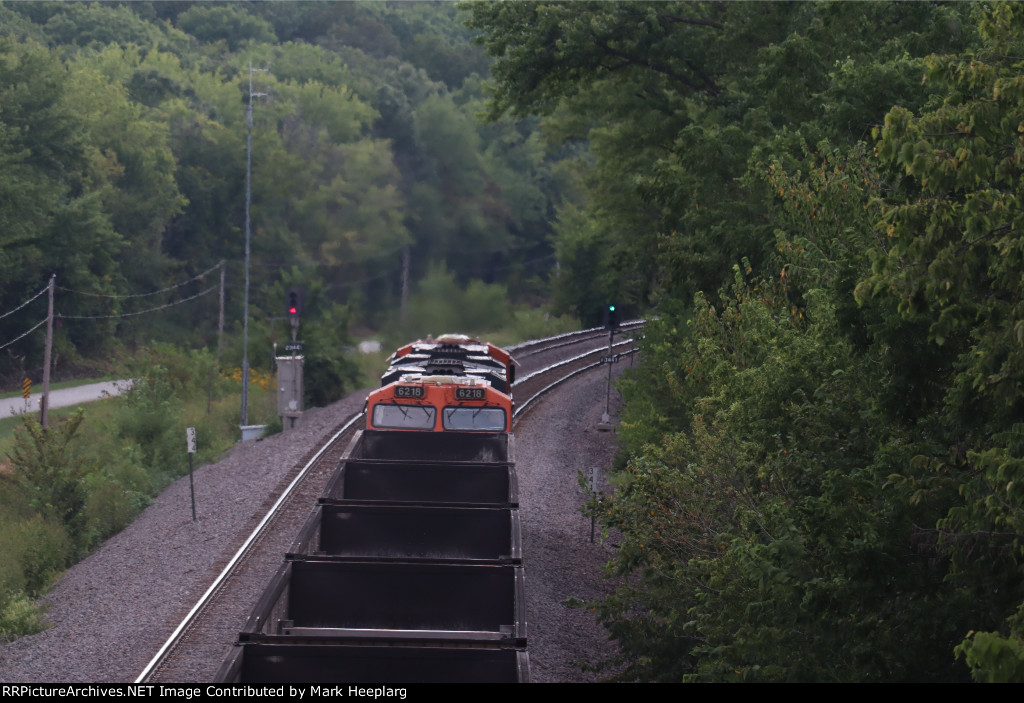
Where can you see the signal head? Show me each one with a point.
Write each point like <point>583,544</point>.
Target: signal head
<point>293,301</point>
<point>611,316</point>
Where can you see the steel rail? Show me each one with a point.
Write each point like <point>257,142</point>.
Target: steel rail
<point>559,341</point>
<point>521,408</point>
<point>242,551</point>
<point>564,362</point>
<point>564,339</point>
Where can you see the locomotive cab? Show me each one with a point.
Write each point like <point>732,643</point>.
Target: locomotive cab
<point>439,403</point>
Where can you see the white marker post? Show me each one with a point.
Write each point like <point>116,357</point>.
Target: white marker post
<point>190,436</point>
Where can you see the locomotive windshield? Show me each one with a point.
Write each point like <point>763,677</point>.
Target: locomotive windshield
<point>404,417</point>
<point>474,418</point>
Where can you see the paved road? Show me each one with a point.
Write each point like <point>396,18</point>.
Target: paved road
<point>63,398</point>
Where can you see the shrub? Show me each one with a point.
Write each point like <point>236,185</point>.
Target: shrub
<point>113,502</point>
<point>48,471</point>
<point>19,616</point>
<point>32,552</point>
<point>151,420</point>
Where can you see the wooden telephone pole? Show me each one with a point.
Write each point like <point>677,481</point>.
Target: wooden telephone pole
<point>47,353</point>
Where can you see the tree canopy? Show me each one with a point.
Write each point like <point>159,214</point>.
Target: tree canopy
<point>123,141</point>
<point>822,451</point>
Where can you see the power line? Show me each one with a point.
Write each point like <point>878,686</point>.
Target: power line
<point>140,312</point>
<point>40,324</point>
<point>11,312</point>
<point>142,295</point>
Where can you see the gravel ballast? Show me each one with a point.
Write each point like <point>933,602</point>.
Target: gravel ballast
<point>112,612</point>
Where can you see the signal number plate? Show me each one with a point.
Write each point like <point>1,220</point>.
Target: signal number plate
<point>408,391</point>
<point>470,394</point>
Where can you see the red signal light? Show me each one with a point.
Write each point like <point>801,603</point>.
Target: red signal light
<point>293,303</point>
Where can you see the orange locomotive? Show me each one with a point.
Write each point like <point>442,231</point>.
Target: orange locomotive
<point>449,384</point>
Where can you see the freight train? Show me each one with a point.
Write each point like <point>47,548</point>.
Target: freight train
<point>409,569</point>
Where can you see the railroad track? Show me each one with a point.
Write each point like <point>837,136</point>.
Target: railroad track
<point>197,645</point>
<point>533,347</point>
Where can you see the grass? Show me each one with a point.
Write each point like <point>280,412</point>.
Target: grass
<point>223,413</point>
<point>7,424</point>
<point>125,451</point>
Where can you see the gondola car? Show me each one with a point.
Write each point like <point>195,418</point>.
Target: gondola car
<point>449,384</point>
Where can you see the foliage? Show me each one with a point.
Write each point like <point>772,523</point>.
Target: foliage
<point>226,23</point>
<point>828,451</point>
<point>535,323</point>
<point>329,374</point>
<point>99,24</point>
<point>150,426</point>
<point>167,385</point>
<point>33,550</point>
<point>117,494</point>
<point>440,306</point>
<point>18,616</point>
<point>66,491</point>
<point>993,658</point>
<point>365,148</point>
<point>770,539</point>
<point>51,191</point>
<point>952,251</point>
<point>48,470</point>
<point>677,103</point>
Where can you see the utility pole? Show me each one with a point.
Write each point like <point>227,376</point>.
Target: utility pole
<point>248,238</point>
<point>220,318</point>
<point>47,353</point>
<point>220,343</point>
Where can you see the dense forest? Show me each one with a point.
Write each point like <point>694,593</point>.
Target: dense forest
<point>823,464</point>
<point>374,185</point>
<point>814,204</point>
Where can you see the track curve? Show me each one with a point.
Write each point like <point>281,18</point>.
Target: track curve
<point>198,643</point>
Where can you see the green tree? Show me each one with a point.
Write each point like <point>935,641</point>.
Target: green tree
<point>952,253</point>
<point>679,100</point>
<point>53,190</point>
<point>772,523</point>
<point>232,24</point>
<point>99,24</point>
<point>133,149</point>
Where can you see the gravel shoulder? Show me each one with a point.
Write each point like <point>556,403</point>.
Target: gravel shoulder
<point>111,612</point>
<point>557,439</point>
